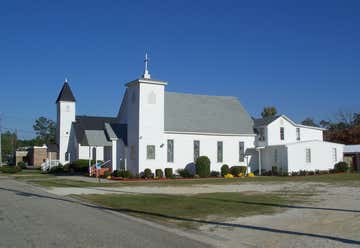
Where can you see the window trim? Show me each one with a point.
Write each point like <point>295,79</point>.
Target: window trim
<point>170,154</point>
<point>298,134</point>
<point>148,157</point>
<point>282,133</point>
<point>308,155</point>
<point>241,151</point>
<point>220,152</point>
<point>196,154</point>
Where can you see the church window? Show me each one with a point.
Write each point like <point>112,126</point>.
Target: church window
<point>150,152</point>
<point>219,151</point>
<point>196,149</point>
<point>170,151</point>
<point>241,151</point>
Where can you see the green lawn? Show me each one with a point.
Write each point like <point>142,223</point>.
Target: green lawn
<point>344,179</point>
<point>191,211</point>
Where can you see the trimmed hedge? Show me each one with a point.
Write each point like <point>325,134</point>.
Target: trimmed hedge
<point>81,165</point>
<point>214,174</point>
<point>122,173</point>
<point>169,172</point>
<point>236,170</point>
<point>148,173</point>
<point>57,169</point>
<point>159,173</point>
<point>10,169</point>
<point>225,170</point>
<point>341,167</point>
<point>22,165</point>
<point>184,173</point>
<point>202,166</point>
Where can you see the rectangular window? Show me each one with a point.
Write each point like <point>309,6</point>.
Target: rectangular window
<point>282,133</point>
<point>170,151</point>
<point>196,149</point>
<point>219,151</point>
<point>334,155</point>
<point>308,155</point>
<point>150,152</point>
<point>241,151</point>
<point>297,133</point>
<point>132,152</point>
<point>261,134</point>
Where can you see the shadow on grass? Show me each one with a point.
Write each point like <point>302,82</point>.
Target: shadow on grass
<point>282,205</point>
<point>240,226</point>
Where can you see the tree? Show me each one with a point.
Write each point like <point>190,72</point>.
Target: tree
<point>45,130</point>
<point>309,122</point>
<point>8,145</point>
<point>268,111</point>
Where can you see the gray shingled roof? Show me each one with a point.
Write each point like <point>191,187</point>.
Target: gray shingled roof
<point>83,123</point>
<point>96,138</point>
<point>264,121</point>
<point>66,94</point>
<point>206,114</point>
<point>116,131</point>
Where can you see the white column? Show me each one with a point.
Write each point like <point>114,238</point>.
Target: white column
<point>114,155</point>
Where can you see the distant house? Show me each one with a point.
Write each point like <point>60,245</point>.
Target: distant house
<point>157,129</point>
<point>291,147</point>
<point>352,156</point>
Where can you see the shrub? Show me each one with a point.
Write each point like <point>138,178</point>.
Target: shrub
<point>10,169</point>
<point>57,169</point>
<point>184,173</point>
<point>235,170</point>
<point>122,173</point>
<point>22,165</point>
<point>274,170</point>
<point>302,173</point>
<point>81,165</point>
<point>159,173</point>
<point>202,166</point>
<point>250,174</point>
<point>148,173</point>
<point>240,174</point>
<point>214,174</point>
<point>169,172</point>
<point>66,168</point>
<point>228,175</point>
<point>107,174</point>
<point>224,170</point>
<point>341,167</point>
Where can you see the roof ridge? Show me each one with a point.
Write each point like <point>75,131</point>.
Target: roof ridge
<point>191,94</point>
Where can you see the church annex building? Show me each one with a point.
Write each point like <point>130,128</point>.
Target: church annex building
<point>157,129</point>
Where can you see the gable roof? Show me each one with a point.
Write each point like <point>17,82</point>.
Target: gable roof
<point>66,94</point>
<point>84,123</point>
<point>267,120</point>
<point>206,114</point>
<point>116,131</point>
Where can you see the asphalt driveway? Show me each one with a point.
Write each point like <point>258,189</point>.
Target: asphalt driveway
<point>30,217</point>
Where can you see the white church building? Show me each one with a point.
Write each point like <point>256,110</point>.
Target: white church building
<point>157,129</point>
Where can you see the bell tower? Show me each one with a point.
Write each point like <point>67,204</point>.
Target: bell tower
<point>65,104</point>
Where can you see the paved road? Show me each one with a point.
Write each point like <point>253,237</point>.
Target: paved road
<point>30,217</point>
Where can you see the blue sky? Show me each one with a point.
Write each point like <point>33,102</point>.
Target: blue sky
<point>301,56</point>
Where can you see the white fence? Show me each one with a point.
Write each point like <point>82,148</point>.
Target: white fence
<point>48,164</point>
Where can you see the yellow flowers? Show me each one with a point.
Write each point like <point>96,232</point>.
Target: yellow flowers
<point>250,174</point>
<point>228,176</point>
<point>241,174</point>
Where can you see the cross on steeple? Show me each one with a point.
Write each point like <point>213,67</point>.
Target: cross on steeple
<point>146,72</point>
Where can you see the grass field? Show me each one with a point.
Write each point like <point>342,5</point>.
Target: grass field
<point>191,211</point>
<point>344,179</point>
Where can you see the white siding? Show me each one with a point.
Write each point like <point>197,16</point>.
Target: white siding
<point>306,133</point>
<point>184,149</point>
<point>84,152</point>
<point>321,155</point>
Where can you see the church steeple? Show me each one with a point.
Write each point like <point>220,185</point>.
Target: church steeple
<point>146,71</point>
<point>66,94</point>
